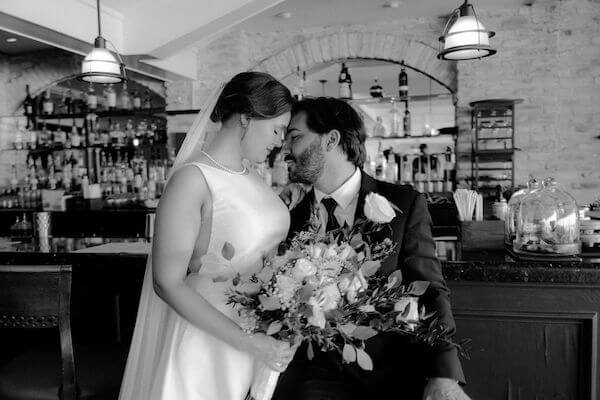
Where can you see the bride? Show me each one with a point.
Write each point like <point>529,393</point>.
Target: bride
<point>215,220</point>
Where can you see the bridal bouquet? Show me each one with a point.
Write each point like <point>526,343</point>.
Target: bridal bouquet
<point>323,290</point>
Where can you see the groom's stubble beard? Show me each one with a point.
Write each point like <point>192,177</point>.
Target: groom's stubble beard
<point>309,165</point>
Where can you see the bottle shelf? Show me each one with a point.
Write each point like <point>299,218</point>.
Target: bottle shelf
<point>496,138</point>
<point>92,146</point>
<point>151,112</point>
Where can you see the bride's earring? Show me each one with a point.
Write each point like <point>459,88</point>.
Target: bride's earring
<point>244,122</point>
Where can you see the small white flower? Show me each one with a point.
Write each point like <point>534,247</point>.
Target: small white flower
<point>303,269</point>
<point>330,252</point>
<point>413,310</point>
<point>378,209</point>
<point>286,287</point>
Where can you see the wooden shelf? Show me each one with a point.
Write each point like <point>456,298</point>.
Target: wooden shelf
<point>152,112</point>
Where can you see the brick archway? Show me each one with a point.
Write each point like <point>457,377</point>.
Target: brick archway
<point>314,51</point>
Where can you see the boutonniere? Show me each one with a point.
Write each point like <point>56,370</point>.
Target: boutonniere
<point>378,209</point>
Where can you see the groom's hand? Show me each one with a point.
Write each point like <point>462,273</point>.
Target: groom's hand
<point>444,389</point>
<point>292,194</point>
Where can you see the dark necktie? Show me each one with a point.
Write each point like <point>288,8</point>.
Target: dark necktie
<point>330,205</point>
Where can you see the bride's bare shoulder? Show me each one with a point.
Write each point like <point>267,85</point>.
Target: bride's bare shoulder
<point>187,182</point>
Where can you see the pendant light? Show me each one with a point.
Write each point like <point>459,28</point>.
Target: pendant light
<point>100,65</point>
<point>465,38</point>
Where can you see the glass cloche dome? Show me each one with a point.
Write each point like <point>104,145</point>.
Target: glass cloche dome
<point>547,222</point>
<point>510,229</point>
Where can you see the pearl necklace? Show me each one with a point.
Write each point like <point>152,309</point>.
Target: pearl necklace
<point>242,172</point>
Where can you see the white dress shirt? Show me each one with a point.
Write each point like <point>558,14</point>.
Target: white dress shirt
<point>346,197</point>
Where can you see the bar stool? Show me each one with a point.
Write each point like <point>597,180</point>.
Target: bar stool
<point>39,297</point>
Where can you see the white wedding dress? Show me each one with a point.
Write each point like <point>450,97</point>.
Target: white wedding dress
<point>171,359</point>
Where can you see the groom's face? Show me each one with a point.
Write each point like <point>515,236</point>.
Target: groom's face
<point>306,156</point>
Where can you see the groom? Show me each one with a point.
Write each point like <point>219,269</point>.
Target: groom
<point>325,146</point>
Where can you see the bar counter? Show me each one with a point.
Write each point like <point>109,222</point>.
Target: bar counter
<point>533,324</point>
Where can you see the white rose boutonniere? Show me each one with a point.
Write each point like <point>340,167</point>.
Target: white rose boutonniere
<point>378,209</point>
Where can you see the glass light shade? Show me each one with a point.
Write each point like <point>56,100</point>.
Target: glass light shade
<point>100,66</point>
<point>466,39</point>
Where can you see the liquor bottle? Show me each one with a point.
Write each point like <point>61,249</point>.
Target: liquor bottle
<point>14,179</point>
<point>345,81</point>
<point>47,104</point>
<point>376,90</point>
<point>391,172</point>
<point>380,164</point>
<point>28,106</point>
<point>19,139</point>
<point>403,83</point>
<point>111,97</point>
<point>406,120</point>
<point>92,99</point>
<point>147,100</point>
<point>125,99</point>
<point>68,101</point>
<point>379,129</point>
<point>137,101</point>
<point>75,137</point>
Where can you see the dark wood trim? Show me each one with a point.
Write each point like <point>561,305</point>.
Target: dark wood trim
<point>583,317</point>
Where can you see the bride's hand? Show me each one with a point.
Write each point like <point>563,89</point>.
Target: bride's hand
<point>274,353</point>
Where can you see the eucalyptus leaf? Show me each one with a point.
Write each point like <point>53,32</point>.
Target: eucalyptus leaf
<point>356,240</point>
<point>364,360</point>
<point>370,267</point>
<point>269,303</point>
<point>394,280</point>
<point>305,293</point>
<point>348,328</point>
<point>417,288</point>
<point>274,327</point>
<point>228,251</point>
<point>363,332</point>
<point>349,353</point>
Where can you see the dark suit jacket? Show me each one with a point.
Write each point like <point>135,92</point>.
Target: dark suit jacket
<point>415,256</point>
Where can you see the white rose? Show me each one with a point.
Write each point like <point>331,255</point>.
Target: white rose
<point>351,284</point>
<point>330,296</point>
<point>378,209</point>
<point>303,268</point>
<point>318,317</point>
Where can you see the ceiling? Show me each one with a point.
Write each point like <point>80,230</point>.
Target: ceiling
<point>167,34</point>
<point>21,46</point>
<point>311,13</point>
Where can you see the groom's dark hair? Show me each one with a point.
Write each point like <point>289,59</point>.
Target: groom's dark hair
<point>324,114</point>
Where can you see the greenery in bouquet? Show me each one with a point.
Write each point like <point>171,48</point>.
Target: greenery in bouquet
<point>324,289</point>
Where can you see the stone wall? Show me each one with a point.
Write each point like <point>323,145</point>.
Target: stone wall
<point>548,55</point>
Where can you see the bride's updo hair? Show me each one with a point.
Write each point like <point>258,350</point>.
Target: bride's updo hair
<point>256,94</point>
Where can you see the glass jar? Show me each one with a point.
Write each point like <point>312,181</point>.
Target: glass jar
<point>510,230</point>
<point>547,222</point>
